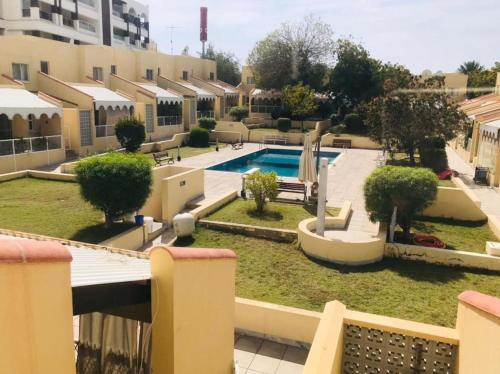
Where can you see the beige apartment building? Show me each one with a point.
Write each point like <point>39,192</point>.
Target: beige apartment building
<point>93,86</point>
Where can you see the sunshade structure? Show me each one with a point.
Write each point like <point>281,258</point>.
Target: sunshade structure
<point>200,92</point>
<point>229,91</point>
<point>163,96</point>
<point>104,97</point>
<point>307,167</point>
<point>18,101</point>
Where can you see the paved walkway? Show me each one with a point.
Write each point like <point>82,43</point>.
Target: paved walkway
<point>259,356</point>
<point>345,178</point>
<point>490,197</point>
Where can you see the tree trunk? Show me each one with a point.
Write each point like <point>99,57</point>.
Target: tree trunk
<point>411,153</point>
<point>108,221</point>
<point>406,232</point>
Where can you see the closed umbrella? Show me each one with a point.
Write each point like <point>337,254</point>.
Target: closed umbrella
<point>307,168</point>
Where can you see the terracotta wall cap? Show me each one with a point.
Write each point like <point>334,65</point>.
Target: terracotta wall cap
<point>486,303</point>
<point>184,253</point>
<point>33,251</point>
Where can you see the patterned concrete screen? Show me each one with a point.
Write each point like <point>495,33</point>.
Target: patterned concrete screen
<point>373,351</point>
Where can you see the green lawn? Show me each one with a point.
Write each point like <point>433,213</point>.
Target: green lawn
<point>280,273</point>
<point>458,235</point>
<point>52,208</point>
<point>276,215</point>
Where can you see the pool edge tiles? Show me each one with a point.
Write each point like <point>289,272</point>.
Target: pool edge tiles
<point>284,166</point>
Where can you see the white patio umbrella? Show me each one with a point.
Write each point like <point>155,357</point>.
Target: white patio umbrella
<point>307,167</point>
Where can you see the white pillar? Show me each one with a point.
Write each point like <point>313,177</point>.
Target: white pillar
<point>323,179</point>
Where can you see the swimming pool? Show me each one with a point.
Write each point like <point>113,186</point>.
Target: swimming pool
<point>285,162</point>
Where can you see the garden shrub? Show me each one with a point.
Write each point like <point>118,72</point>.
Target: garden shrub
<point>263,186</point>
<point>239,112</point>
<point>354,123</point>
<point>338,129</point>
<point>433,154</point>
<point>284,124</point>
<point>131,133</point>
<point>409,189</point>
<point>115,183</point>
<point>334,120</point>
<point>207,123</point>
<point>198,137</point>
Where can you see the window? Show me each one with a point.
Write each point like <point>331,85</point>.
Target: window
<point>26,11</point>
<point>85,131</point>
<point>149,74</point>
<point>212,76</point>
<point>250,80</point>
<point>113,69</point>
<point>31,121</point>
<point>44,67</point>
<point>185,75</point>
<point>20,72</point>
<point>149,118</point>
<point>97,73</point>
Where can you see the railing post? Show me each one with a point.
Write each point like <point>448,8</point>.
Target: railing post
<point>31,145</point>
<point>14,153</point>
<point>47,148</point>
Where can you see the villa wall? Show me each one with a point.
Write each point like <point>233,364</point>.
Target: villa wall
<point>363,142</point>
<point>233,127</point>
<point>132,239</point>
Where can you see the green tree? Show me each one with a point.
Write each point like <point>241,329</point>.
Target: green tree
<point>115,183</point>
<point>207,123</point>
<point>410,190</point>
<point>228,67</point>
<point>299,100</point>
<point>470,67</point>
<point>295,52</point>
<point>239,112</point>
<point>199,137</point>
<point>263,186</point>
<point>482,82</point>
<point>402,119</point>
<point>131,133</point>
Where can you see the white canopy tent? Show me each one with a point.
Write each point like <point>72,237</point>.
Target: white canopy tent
<point>18,101</point>
<point>163,95</point>
<point>104,97</point>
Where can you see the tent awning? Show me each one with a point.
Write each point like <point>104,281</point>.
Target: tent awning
<point>228,91</point>
<point>163,95</point>
<point>104,97</point>
<point>200,92</point>
<point>18,101</point>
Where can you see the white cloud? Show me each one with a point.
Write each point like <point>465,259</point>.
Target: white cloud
<point>435,34</point>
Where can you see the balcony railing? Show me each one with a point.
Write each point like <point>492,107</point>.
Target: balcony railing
<point>205,113</point>
<point>10,147</point>
<point>68,22</point>
<point>169,120</point>
<point>27,12</point>
<point>264,108</point>
<point>90,3</point>
<point>45,15</point>
<point>87,26</point>
<point>104,131</point>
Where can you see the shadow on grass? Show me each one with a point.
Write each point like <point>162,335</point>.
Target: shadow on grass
<point>184,242</point>
<point>266,215</point>
<point>450,221</point>
<point>98,233</point>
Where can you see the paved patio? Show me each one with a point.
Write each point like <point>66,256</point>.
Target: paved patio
<point>490,197</point>
<point>345,178</point>
<point>259,356</point>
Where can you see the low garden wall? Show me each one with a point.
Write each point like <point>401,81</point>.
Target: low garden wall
<point>457,203</point>
<point>442,256</point>
<point>212,205</point>
<point>132,239</point>
<point>38,174</point>
<point>293,138</point>
<point>31,160</point>
<point>233,127</point>
<point>226,137</point>
<point>278,235</point>
<point>276,321</point>
<point>363,142</point>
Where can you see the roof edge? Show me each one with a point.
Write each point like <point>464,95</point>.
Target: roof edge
<point>33,251</point>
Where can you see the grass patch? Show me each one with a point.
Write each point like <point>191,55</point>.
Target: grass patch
<point>470,236</point>
<point>53,209</point>
<point>280,273</point>
<point>277,214</point>
<point>447,183</point>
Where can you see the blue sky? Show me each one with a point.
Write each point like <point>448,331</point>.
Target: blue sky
<point>421,34</point>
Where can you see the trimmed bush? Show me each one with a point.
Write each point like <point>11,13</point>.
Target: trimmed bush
<point>409,189</point>
<point>334,120</point>
<point>239,112</point>
<point>284,124</point>
<point>338,129</point>
<point>354,123</point>
<point>434,158</point>
<point>198,137</point>
<point>115,183</point>
<point>263,186</point>
<point>131,133</point>
<point>435,142</point>
<point>207,123</point>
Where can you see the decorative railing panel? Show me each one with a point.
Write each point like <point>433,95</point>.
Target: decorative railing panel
<point>373,351</point>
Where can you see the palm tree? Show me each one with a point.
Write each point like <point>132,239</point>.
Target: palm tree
<point>470,67</point>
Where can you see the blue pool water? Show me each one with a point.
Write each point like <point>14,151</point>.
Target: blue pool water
<point>285,162</point>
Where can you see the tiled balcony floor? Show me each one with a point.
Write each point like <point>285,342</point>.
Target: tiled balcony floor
<point>260,356</point>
